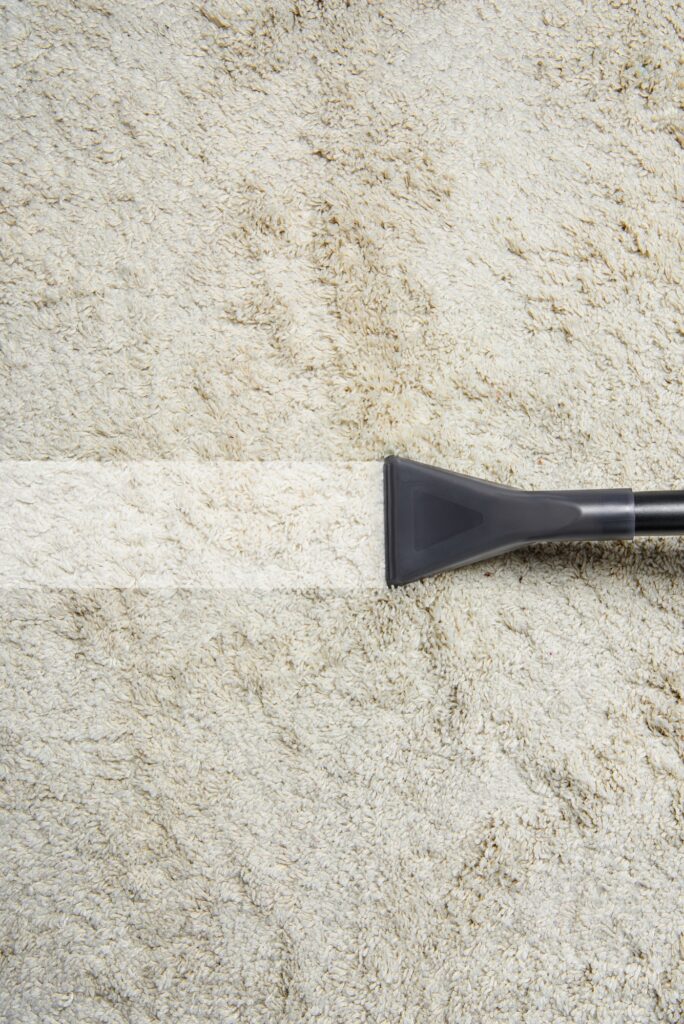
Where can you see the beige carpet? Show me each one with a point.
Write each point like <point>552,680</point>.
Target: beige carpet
<point>288,229</point>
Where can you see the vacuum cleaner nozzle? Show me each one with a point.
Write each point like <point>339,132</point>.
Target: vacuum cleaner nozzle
<point>437,520</point>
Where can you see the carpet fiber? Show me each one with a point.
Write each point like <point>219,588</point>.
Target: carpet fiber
<point>289,229</point>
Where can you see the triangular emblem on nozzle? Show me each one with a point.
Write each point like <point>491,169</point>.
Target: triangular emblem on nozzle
<point>438,519</point>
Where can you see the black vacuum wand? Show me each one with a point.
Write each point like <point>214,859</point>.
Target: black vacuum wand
<point>437,520</point>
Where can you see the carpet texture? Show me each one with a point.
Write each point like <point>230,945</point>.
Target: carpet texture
<point>289,229</point>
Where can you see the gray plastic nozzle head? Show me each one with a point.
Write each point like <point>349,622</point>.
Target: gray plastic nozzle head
<point>437,520</point>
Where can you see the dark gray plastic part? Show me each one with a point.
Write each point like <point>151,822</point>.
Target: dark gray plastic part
<point>437,520</point>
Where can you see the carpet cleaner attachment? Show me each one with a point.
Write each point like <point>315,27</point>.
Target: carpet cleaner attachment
<point>437,520</point>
